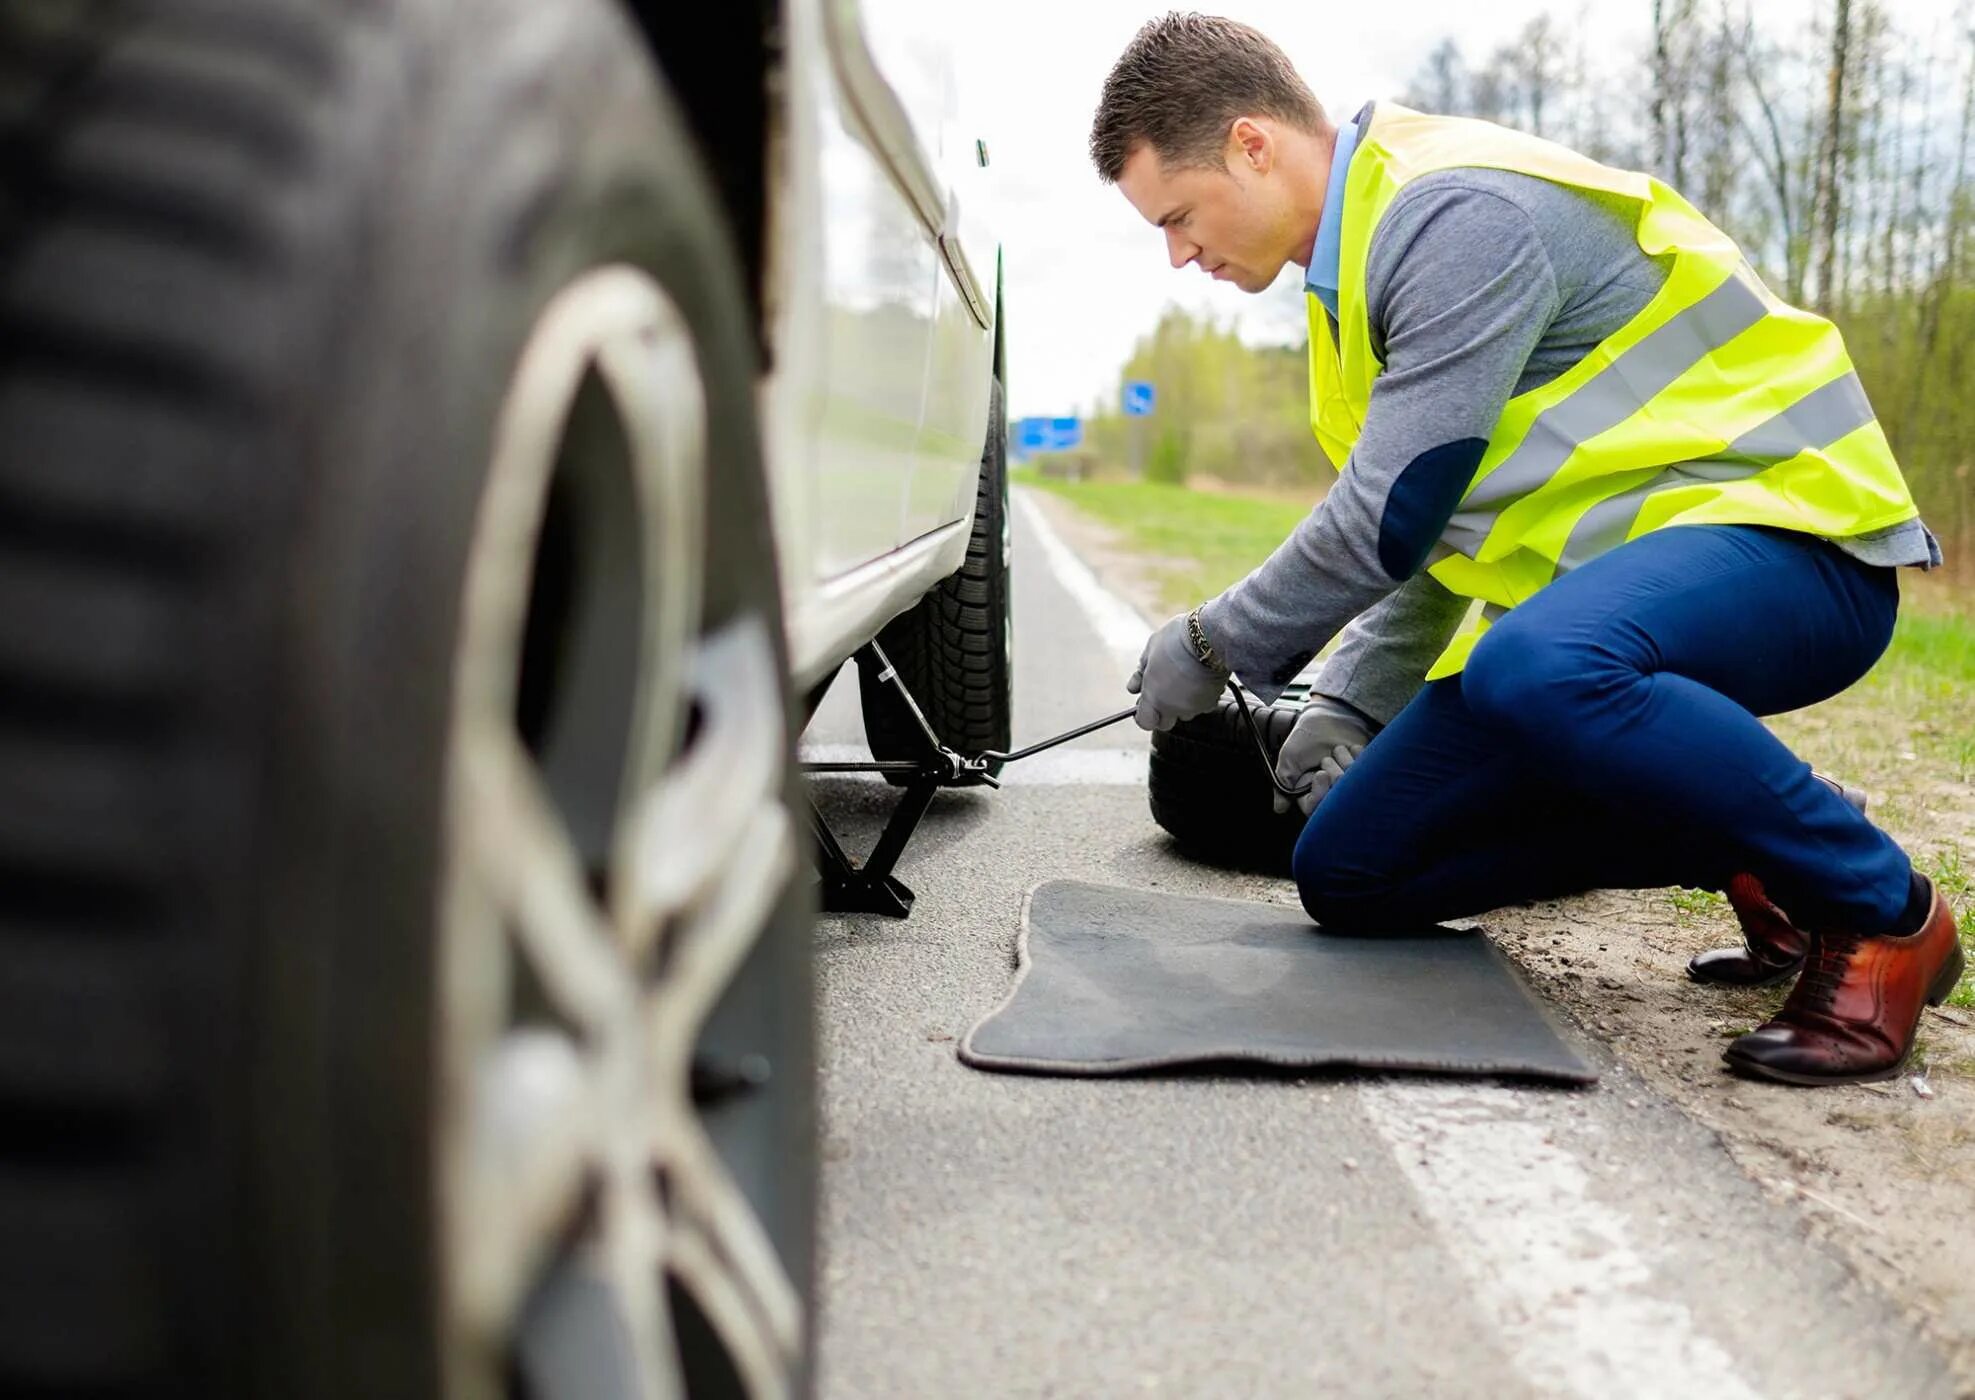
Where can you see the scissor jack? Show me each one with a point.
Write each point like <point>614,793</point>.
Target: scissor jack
<point>871,888</point>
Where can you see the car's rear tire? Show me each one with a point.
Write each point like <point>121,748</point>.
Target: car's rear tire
<point>404,965</point>
<point>954,649</point>
<point>1208,788</point>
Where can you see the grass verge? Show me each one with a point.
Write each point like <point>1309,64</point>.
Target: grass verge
<point>1207,540</point>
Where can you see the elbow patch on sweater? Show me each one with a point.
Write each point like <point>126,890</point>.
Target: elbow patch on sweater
<point>1421,501</point>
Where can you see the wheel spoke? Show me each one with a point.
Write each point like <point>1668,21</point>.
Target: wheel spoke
<point>707,947</point>
<point>533,1131</point>
<point>721,1249</point>
<point>654,378</point>
<point>760,1356</point>
<point>691,830</point>
<point>721,1252</point>
<point>528,859</point>
<point>635,1238</point>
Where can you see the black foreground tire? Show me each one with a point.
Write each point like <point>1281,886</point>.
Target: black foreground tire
<point>1209,790</point>
<point>314,749</point>
<point>954,649</point>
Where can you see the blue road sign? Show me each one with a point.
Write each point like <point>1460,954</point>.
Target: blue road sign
<point>1034,435</point>
<point>1139,397</point>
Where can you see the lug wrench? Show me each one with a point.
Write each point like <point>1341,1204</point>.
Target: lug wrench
<point>1240,699</point>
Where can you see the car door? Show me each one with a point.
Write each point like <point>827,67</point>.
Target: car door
<point>908,344</point>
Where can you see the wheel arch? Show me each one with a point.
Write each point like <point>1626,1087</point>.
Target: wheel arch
<point>720,68</point>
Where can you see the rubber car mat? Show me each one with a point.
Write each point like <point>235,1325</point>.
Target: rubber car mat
<point>1112,980</point>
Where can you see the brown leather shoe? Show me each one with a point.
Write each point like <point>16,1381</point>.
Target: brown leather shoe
<point>1772,948</point>
<point>1852,1016</point>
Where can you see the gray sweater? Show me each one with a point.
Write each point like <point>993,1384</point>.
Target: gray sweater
<point>1480,285</point>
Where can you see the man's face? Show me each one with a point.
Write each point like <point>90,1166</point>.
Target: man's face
<point>1233,222</point>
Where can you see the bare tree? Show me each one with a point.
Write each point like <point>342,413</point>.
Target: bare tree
<point>1673,22</point>
<point>1768,146</point>
<point>1536,60</point>
<point>1662,82</point>
<point>1828,196</point>
<point>1864,143</point>
<point>1492,89</point>
<point>1923,165</point>
<point>1720,155</point>
<point>1959,196</point>
<point>1947,257</point>
<point>1889,267</point>
<point>1440,85</point>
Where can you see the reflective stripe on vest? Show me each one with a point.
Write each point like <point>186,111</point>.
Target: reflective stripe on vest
<point>1718,403</point>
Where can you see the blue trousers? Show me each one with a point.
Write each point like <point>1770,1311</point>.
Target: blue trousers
<point>1603,735</point>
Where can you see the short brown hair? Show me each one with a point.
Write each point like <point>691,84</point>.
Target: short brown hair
<point>1181,83</point>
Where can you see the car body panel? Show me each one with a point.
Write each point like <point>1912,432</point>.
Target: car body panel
<point>881,331</point>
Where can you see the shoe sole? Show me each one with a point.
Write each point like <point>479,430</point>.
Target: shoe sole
<point>1749,1069</point>
<point>1944,983</point>
<point>1785,975</point>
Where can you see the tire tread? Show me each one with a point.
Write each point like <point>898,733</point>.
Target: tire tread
<point>948,648</point>
<point>144,151</point>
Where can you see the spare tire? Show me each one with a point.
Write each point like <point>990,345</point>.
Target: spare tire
<point>1208,787</point>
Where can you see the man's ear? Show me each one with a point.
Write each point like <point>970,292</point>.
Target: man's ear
<point>1251,144</point>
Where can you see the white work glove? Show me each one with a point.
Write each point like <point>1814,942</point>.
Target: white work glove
<point>1172,683</point>
<point>1326,740</point>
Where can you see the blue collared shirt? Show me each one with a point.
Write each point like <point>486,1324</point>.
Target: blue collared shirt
<point>1322,276</point>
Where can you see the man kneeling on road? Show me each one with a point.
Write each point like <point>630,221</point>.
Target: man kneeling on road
<point>1560,399</point>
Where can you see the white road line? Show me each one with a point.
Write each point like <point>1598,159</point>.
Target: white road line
<point>1117,622</point>
<point>1052,768</point>
<point>1570,1294</point>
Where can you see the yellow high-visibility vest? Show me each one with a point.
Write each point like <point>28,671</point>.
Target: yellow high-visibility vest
<point>1717,404</point>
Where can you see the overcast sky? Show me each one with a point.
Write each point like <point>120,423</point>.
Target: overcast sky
<point>1085,275</point>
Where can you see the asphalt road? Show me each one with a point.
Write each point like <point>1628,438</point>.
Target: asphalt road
<point>1213,1235</point>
